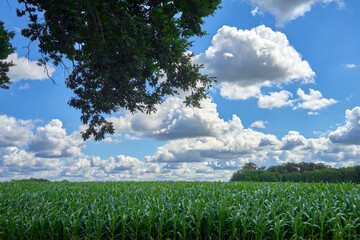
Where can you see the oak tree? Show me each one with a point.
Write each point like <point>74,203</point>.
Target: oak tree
<point>125,54</point>
<point>5,50</point>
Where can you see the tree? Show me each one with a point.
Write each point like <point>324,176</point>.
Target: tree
<point>126,54</point>
<point>291,167</point>
<point>5,50</point>
<point>250,166</point>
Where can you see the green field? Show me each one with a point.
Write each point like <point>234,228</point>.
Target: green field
<point>179,210</point>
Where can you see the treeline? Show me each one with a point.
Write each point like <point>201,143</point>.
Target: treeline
<point>31,180</point>
<point>297,172</point>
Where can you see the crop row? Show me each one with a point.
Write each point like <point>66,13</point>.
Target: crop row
<point>179,210</point>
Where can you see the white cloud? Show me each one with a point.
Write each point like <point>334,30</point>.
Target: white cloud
<point>52,141</point>
<point>255,11</point>
<point>228,55</point>
<point>197,158</point>
<point>239,145</point>
<point>350,132</point>
<point>234,143</point>
<point>153,168</point>
<point>229,165</point>
<point>287,10</point>
<point>117,164</point>
<point>313,113</point>
<point>25,69</point>
<point>78,169</point>
<point>14,132</point>
<point>173,120</point>
<point>111,140</point>
<point>258,124</point>
<point>292,140</point>
<point>275,100</point>
<point>235,92</point>
<point>314,100</point>
<point>350,65</point>
<point>16,160</point>
<point>24,86</point>
<point>260,57</point>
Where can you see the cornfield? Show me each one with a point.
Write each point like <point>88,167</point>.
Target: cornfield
<point>179,210</point>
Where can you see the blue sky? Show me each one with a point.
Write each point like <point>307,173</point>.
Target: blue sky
<point>288,77</point>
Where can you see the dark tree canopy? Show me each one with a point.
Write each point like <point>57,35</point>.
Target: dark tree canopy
<point>297,172</point>
<point>250,166</point>
<point>125,53</point>
<point>5,50</point>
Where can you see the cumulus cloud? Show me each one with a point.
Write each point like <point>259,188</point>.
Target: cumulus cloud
<point>275,100</point>
<point>197,158</point>
<point>350,132</point>
<point>25,69</point>
<point>235,92</point>
<point>173,120</point>
<point>225,165</point>
<point>14,132</point>
<point>117,164</point>
<point>350,65</point>
<point>259,57</point>
<point>17,160</point>
<point>285,10</point>
<point>240,145</point>
<point>153,168</point>
<point>258,124</point>
<point>292,148</point>
<point>233,143</point>
<point>314,100</point>
<point>292,140</point>
<point>51,141</point>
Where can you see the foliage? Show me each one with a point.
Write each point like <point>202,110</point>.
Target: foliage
<point>250,166</point>
<point>5,50</point>
<point>179,210</point>
<point>31,180</point>
<point>124,54</point>
<point>298,172</point>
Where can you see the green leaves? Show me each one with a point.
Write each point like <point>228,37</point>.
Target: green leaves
<point>5,50</point>
<point>119,49</point>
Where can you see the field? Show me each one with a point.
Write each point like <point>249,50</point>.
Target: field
<point>179,210</point>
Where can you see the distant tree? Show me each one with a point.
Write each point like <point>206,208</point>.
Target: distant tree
<point>349,174</point>
<point>291,167</point>
<point>306,166</point>
<point>31,180</point>
<point>5,50</point>
<point>294,176</point>
<point>297,172</point>
<point>250,166</point>
<point>124,54</point>
<point>307,176</point>
<point>266,176</point>
<point>322,166</point>
<point>279,169</point>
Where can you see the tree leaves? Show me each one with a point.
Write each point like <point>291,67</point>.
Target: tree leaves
<point>5,50</point>
<point>120,50</point>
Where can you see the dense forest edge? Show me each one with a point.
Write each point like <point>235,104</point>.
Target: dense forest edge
<point>297,172</point>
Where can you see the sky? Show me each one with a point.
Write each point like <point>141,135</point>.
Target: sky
<point>288,80</point>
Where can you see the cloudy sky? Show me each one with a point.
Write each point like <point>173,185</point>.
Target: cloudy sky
<point>288,81</point>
